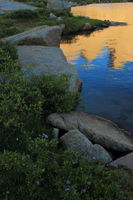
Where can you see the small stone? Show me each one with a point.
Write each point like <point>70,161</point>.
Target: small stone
<point>59,18</point>
<point>42,35</point>
<point>87,27</point>
<point>52,16</point>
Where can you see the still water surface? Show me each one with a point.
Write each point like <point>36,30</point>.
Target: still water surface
<point>104,60</point>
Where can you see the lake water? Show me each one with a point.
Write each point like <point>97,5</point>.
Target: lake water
<point>104,60</point>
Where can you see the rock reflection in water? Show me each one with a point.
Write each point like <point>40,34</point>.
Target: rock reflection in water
<point>104,60</point>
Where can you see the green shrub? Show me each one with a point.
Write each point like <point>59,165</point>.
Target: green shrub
<point>46,173</point>
<point>56,95</point>
<point>62,13</point>
<point>8,58</point>
<point>9,49</point>
<point>25,102</point>
<point>76,24</point>
<point>7,31</point>
<point>20,108</point>
<point>24,14</point>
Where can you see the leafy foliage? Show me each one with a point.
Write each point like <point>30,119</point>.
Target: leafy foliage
<point>25,102</point>
<point>44,173</point>
<point>32,167</point>
<point>17,21</point>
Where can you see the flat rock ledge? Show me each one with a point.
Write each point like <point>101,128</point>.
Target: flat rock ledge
<point>60,4</point>
<point>48,60</point>
<point>42,35</point>
<point>97,129</point>
<point>75,140</point>
<point>39,53</point>
<point>124,162</point>
<point>9,5</point>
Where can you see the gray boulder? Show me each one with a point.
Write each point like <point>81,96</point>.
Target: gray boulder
<point>6,5</point>
<point>60,4</point>
<point>72,4</point>
<point>101,154</point>
<point>125,162</point>
<point>48,60</point>
<point>52,16</point>
<point>42,35</point>
<point>57,4</point>
<point>95,128</point>
<point>75,140</point>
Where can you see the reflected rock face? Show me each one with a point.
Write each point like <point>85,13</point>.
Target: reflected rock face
<point>104,60</point>
<point>118,39</point>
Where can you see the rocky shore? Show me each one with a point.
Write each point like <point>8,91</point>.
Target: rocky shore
<point>90,135</point>
<point>94,137</point>
<point>39,52</point>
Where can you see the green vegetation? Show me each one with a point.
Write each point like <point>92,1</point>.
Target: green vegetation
<point>18,21</point>
<point>45,173</point>
<point>75,24</point>
<point>24,103</point>
<point>32,165</point>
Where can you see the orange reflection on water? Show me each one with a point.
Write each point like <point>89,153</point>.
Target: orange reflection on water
<point>118,40</point>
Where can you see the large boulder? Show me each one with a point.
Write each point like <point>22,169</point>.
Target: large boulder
<point>6,5</point>
<point>57,4</point>
<point>125,162</point>
<point>75,140</point>
<point>42,35</point>
<point>95,128</point>
<point>60,4</point>
<point>48,60</point>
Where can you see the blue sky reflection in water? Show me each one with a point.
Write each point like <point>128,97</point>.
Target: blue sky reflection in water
<point>104,60</point>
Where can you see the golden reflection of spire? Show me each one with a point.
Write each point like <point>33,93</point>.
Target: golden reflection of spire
<point>114,11</point>
<point>119,38</point>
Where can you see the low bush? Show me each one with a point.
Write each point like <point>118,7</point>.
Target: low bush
<point>56,95</point>
<point>33,167</point>
<point>26,14</point>
<point>46,173</point>
<point>76,24</point>
<point>25,102</point>
<point>62,13</point>
<point>17,21</point>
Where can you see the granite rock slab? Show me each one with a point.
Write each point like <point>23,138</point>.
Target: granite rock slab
<point>75,140</point>
<point>96,129</point>
<point>42,35</point>
<point>48,60</point>
<point>6,5</point>
<point>125,162</point>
